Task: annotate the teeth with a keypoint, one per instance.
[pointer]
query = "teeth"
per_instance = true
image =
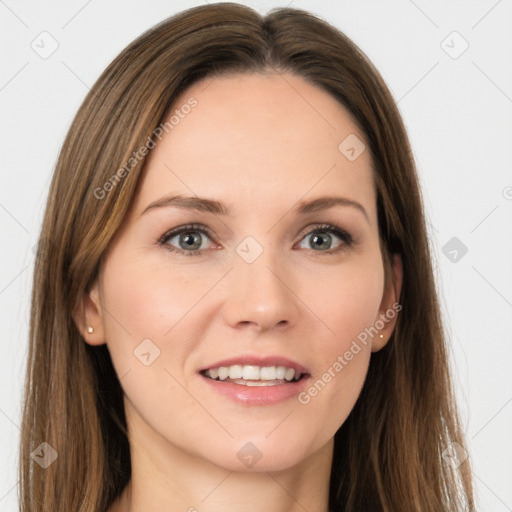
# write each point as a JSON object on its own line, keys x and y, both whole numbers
{"x": 252, "y": 374}
{"x": 290, "y": 373}
{"x": 223, "y": 372}
{"x": 235, "y": 371}
{"x": 280, "y": 372}
{"x": 268, "y": 373}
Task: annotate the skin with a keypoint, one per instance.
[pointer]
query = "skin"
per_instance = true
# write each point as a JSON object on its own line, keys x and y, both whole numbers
{"x": 259, "y": 143}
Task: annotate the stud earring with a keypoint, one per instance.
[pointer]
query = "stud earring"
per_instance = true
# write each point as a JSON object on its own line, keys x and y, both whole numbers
{"x": 90, "y": 329}
{"x": 381, "y": 336}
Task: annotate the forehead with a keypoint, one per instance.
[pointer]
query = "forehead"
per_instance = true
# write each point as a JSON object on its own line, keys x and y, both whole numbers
{"x": 253, "y": 136}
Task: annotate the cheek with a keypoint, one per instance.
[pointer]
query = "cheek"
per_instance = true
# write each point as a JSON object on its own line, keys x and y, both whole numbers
{"x": 147, "y": 301}
{"x": 350, "y": 312}
{"x": 348, "y": 300}
{"x": 144, "y": 312}
{"x": 153, "y": 319}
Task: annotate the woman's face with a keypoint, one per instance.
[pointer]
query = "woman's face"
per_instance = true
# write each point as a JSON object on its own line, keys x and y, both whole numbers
{"x": 258, "y": 282}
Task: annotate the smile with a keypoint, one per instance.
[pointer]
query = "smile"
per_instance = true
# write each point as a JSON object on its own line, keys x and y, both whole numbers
{"x": 253, "y": 375}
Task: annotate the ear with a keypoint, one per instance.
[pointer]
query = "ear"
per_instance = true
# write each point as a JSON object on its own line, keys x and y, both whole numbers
{"x": 389, "y": 307}
{"x": 88, "y": 313}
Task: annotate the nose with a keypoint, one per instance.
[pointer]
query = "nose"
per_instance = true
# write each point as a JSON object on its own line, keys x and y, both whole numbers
{"x": 260, "y": 295}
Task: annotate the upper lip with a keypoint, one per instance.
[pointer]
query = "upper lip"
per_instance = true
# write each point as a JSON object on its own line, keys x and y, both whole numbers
{"x": 261, "y": 361}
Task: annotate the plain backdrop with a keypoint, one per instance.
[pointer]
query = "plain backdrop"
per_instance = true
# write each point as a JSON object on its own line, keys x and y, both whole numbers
{"x": 449, "y": 67}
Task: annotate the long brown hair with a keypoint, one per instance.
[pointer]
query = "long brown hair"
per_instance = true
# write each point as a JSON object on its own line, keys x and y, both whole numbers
{"x": 388, "y": 454}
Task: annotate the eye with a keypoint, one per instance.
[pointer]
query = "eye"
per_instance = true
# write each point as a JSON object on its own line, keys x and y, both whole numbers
{"x": 323, "y": 238}
{"x": 188, "y": 238}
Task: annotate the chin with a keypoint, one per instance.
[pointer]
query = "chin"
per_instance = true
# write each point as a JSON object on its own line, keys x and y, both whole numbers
{"x": 257, "y": 454}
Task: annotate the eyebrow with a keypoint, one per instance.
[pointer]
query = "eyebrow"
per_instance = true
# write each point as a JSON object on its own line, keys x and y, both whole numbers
{"x": 203, "y": 204}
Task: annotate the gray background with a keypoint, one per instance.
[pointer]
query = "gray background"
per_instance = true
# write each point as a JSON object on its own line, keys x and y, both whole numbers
{"x": 457, "y": 107}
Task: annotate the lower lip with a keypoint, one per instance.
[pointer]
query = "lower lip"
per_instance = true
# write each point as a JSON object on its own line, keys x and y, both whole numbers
{"x": 257, "y": 395}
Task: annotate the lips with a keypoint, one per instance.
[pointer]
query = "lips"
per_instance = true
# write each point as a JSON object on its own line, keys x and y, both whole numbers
{"x": 257, "y": 380}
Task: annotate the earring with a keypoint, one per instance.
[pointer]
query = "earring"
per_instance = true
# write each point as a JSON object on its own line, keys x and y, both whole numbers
{"x": 90, "y": 329}
{"x": 381, "y": 336}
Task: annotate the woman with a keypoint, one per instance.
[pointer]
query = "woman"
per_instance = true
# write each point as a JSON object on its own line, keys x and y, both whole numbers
{"x": 297, "y": 361}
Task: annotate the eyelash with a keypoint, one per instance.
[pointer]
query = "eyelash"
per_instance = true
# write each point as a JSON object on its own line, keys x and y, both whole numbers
{"x": 346, "y": 238}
